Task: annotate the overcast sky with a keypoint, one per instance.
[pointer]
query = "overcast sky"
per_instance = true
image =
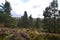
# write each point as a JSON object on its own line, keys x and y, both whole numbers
{"x": 33, "y": 7}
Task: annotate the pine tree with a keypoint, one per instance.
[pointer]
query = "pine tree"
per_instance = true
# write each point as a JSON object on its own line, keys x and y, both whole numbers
{"x": 37, "y": 23}
{"x": 50, "y": 15}
{"x": 31, "y": 21}
{"x": 52, "y": 10}
{"x": 7, "y": 8}
{"x": 24, "y": 20}
{"x": 6, "y": 15}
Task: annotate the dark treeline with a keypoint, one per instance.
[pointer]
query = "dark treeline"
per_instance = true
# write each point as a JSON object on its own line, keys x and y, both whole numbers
{"x": 50, "y": 23}
{"x": 28, "y": 22}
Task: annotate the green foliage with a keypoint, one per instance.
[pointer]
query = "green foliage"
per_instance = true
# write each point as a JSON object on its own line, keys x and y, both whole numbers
{"x": 9, "y": 37}
{"x": 19, "y": 22}
{"x": 31, "y": 22}
{"x": 1, "y": 17}
{"x": 7, "y": 8}
{"x": 12, "y": 23}
{"x": 24, "y": 22}
{"x": 51, "y": 17}
{"x": 5, "y": 17}
{"x": 37, "y": 23}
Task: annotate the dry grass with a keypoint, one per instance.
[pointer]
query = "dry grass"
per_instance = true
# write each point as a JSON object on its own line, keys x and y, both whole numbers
{"x": 33, "y": 33}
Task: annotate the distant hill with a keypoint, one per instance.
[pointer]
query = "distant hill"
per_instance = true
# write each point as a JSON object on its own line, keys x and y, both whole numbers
{"x": 33, "y": 18}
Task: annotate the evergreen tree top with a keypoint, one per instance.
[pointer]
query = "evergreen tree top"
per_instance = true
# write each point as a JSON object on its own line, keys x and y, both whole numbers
{"x": 54, "y": 3}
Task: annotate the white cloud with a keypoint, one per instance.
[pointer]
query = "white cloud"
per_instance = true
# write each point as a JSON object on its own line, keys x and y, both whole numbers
{"x": 34, "y": 7}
